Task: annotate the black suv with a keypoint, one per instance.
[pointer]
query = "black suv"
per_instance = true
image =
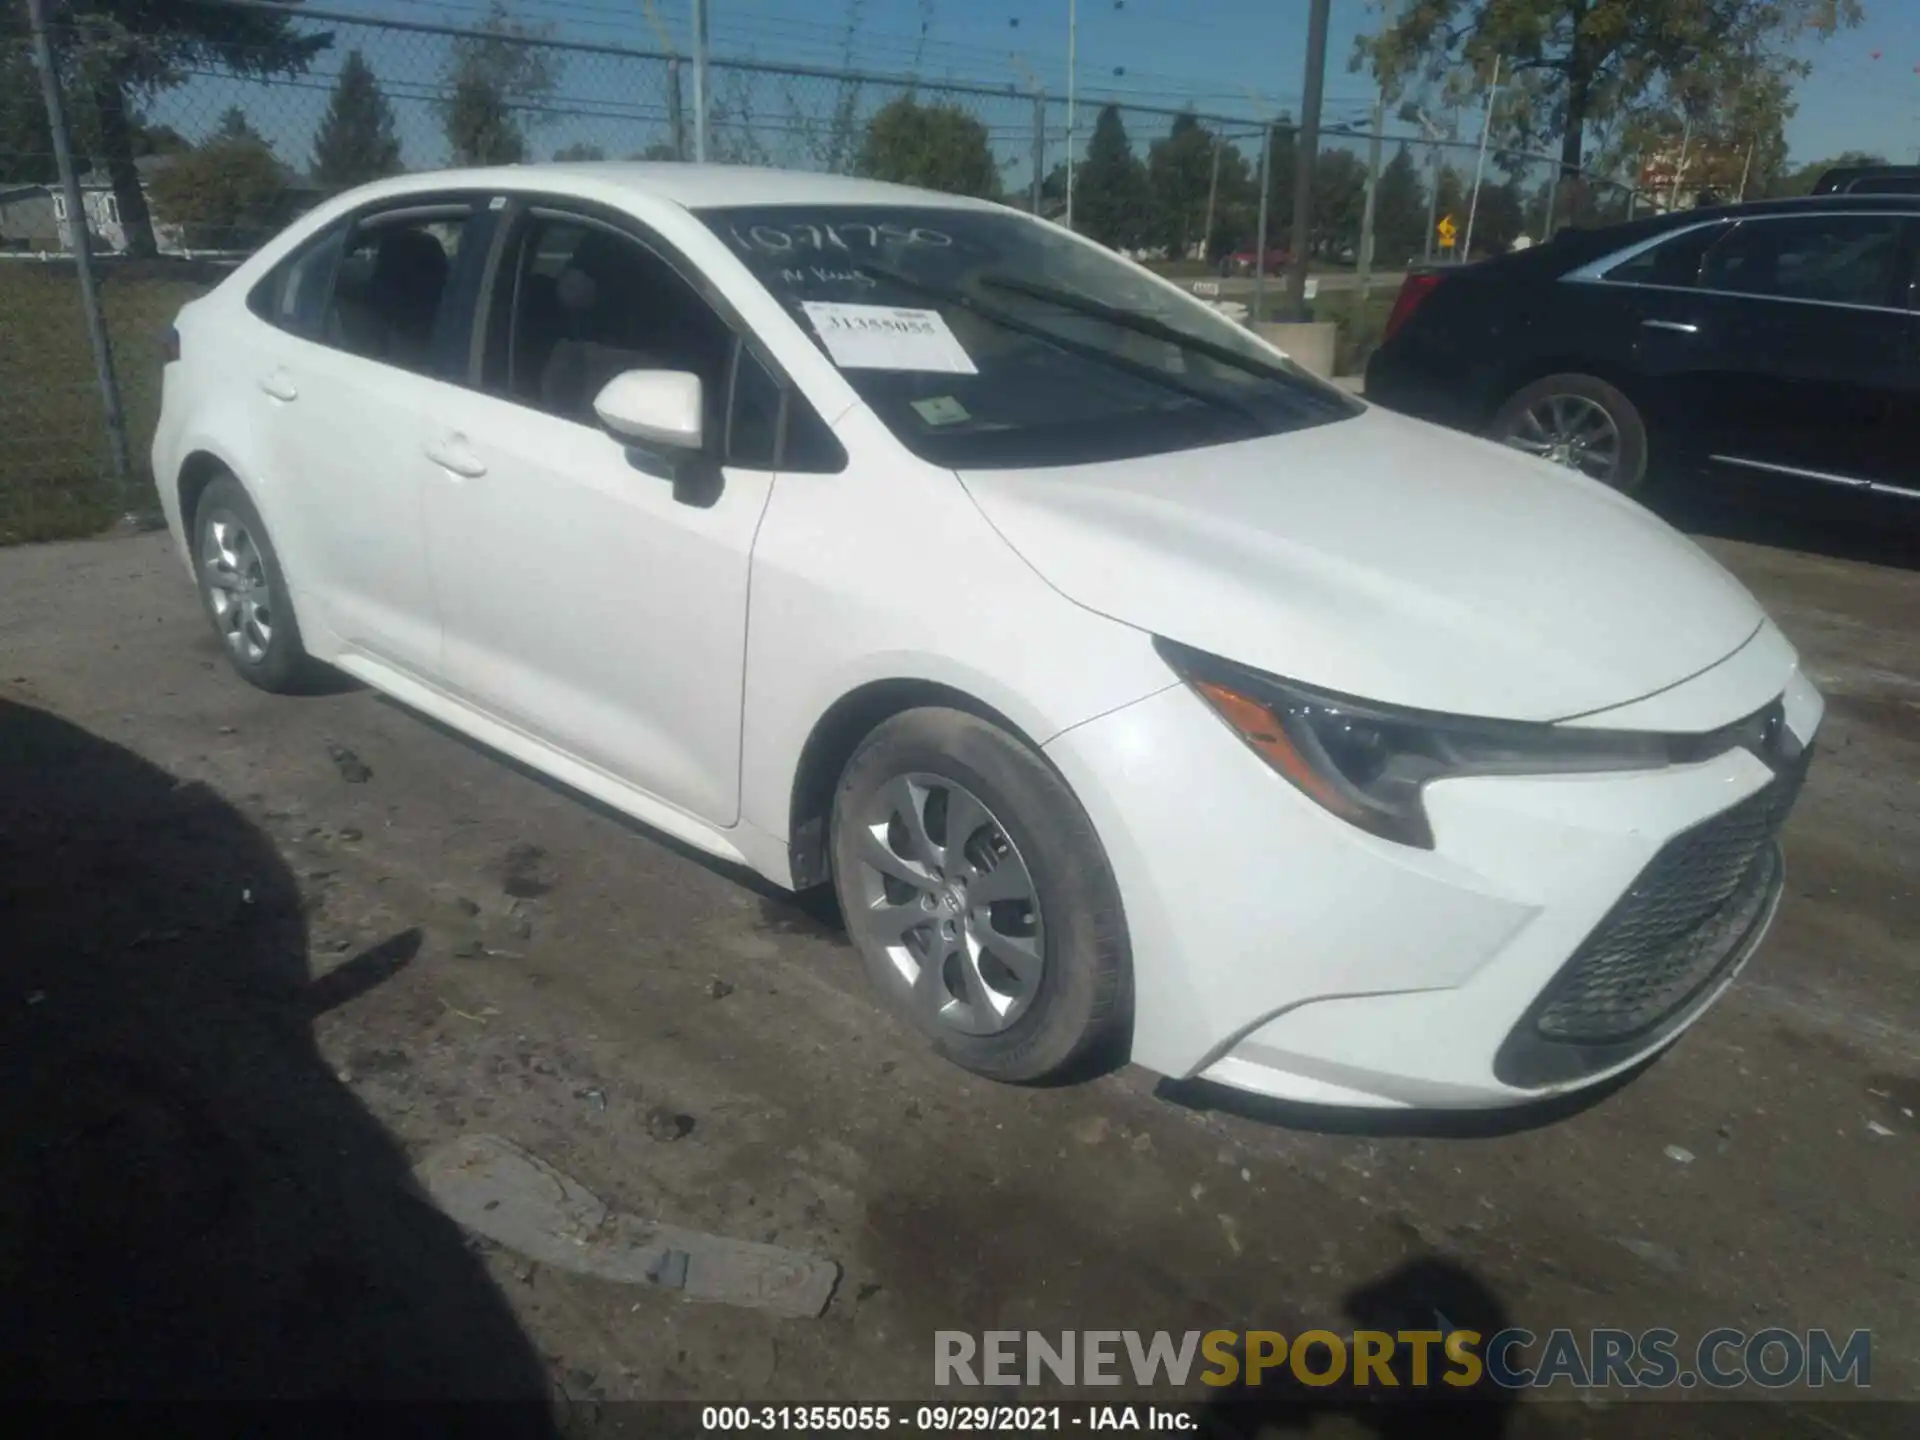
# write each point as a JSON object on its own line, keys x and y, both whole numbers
{"x": 1869, "y": 180}
{"x": 1781, "y": 337}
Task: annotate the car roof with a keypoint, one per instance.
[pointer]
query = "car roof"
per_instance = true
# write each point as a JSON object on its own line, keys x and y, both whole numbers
{"x": 693, "y": 187}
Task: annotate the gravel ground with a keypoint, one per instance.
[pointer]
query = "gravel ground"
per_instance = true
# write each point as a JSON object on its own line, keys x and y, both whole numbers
{"x": 246, "y": 984}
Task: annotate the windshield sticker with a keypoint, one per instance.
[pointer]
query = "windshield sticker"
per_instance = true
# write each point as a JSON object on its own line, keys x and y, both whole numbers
{"x": 885, "y": 337}
{"x": 796, "y": 241}
{"x": 942, "y": 410}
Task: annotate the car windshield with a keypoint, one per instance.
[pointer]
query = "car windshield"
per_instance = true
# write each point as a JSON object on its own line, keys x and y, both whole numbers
{"x": 986, "y": 339}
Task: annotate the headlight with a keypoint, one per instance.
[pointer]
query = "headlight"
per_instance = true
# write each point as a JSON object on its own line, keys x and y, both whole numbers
{"x": 1368, "y": 763}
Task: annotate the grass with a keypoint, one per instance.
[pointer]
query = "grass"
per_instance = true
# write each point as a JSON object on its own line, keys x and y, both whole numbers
{"x": 56, "y": 472}
{"x": 1360, "y": 324}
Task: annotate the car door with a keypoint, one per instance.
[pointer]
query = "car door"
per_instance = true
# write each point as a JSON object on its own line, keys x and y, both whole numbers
{"x": 352, "y": 373}
{"x": 595, "y": 593}
{"x": 1786, "y": 349}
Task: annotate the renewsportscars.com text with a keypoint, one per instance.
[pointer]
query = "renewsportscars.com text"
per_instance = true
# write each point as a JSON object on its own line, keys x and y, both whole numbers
{"x": 1512, "y": 1359}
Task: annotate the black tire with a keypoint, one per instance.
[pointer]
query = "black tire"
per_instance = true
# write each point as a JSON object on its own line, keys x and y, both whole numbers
{"x": 1080, "y": 1008}
{"x": 280, "y": 665}
{"x": 1629, "y": 471}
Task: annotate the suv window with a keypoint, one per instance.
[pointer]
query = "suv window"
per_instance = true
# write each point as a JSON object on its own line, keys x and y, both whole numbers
{"x": 578, "y": 303}
{"x": 1674, "y": 262}
{"x": 1839, "y": 259}
{"x": 391, "y": 284}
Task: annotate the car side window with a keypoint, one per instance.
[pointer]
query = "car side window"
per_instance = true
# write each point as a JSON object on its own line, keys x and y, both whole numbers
{"x": 1674, "y": 263}
{"x": 1839, "y": 259}
{"x": 293, "y": 296}
{"x": 578, "y": 304}
{"x": 391, "y": 285}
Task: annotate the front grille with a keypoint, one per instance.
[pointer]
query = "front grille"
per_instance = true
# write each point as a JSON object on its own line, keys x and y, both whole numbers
{"x": 1685, "y": 918}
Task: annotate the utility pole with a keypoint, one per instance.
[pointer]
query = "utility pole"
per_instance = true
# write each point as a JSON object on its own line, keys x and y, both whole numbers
{"x": 1073, "y": 38}
{"x": 1039, "y": 145}
{"x": 1365, "y": 266}
{"x": 1480, "y": 164}
{"x": 1746, "y": 168}
{"x": 77, "y": 241}
{"x": 1213, "y": 194}
{"x": 1306, "y": 151}
{"x": 1260, "y": 242}
{"x": 700, "y": 81}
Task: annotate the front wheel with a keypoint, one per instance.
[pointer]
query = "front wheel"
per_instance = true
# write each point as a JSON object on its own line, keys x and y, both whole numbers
{"x": 1578, "y": 421}
{"x": 979, "y": 897}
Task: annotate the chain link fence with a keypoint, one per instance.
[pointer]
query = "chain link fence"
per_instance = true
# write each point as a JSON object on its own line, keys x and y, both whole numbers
{"x": 198, "y": 135}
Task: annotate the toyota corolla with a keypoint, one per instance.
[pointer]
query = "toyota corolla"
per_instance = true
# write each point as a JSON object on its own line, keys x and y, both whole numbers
{"x": 1136, "y": 692}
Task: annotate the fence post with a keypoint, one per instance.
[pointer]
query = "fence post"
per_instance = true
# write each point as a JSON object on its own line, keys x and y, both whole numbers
{"x": 676, "y": 112}
{"x": 700, "y": 81}
{"x": 78, "y": 240}
{"x": 1039, "y": 145}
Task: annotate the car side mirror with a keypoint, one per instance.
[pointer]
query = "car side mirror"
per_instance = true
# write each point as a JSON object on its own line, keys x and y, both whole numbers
{"x": 662, "y": 408}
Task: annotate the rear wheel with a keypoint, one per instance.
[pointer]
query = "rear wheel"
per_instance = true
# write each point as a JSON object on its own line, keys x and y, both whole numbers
{"x": 244, "y": 592}
{"x": 975, "y": 890}
{"x": 1581, "y": 422}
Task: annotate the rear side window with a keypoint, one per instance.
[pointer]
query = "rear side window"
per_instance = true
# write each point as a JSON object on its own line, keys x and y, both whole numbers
{"x": 1839, "y": 259}
{"x": 294, "y": 294}
{"x": 1674, "y": 263}
{"x": 392, "y": 285}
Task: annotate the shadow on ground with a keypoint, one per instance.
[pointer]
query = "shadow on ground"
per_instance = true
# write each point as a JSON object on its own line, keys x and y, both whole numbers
{"x": 191, "y": 1204}
{"x": 1810, "y": 518}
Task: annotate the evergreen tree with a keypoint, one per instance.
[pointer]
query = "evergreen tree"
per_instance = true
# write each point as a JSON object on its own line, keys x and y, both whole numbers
{"x": 1110, "y": 186}
{"x": 356, "y": 142}
{"x": 1399, "y": 211}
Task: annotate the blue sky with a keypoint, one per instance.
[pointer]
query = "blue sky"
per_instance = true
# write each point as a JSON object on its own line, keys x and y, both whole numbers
{"x": 1227, "y": 57}
{"x": 1215, "y": 52}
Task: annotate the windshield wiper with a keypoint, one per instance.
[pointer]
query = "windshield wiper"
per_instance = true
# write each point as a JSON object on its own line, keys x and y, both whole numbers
{"x": 999, "y": 317}
{"x": 1154, "y": 329}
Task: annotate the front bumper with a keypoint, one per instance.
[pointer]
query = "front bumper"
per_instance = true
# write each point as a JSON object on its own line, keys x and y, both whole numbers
{"x": 1279, "y": 950}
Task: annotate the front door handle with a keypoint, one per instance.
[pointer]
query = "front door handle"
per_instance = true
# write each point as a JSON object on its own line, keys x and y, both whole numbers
{"x": 452, "y": 454}
{"x": 279, "y": 385}
{"x": 1679, "y": 327}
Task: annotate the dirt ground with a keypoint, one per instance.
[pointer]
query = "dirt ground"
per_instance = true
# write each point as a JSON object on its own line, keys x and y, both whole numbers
{"x": 241, "y": 994}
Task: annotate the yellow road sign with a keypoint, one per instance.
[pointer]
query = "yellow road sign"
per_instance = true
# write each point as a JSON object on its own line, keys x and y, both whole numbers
{"x": 1446, "y": 232}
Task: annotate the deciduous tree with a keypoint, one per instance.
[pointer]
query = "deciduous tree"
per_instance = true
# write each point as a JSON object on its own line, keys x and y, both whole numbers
{"x": 940, "y": 147}
{"x": 492, "y": 78}
{"x": 1572, "y": 63}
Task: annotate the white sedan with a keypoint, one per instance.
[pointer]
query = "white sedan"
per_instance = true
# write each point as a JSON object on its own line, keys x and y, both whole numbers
{"x": 1138, "y": 693}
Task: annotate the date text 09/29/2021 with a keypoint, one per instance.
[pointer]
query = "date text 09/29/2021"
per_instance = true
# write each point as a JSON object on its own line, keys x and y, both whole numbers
{"x": 947, "y": 1419}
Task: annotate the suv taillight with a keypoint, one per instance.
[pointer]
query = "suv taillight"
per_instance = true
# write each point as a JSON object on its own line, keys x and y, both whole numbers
{"x": 1415, "y": 288}
{"x": 170, "y": 345}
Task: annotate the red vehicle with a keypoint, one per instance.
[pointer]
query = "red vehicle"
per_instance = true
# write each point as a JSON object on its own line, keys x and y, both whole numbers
{"x": 1242, "y": 262}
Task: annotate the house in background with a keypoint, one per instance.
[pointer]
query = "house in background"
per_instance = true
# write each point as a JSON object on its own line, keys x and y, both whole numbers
{"x": 34, "y": 217}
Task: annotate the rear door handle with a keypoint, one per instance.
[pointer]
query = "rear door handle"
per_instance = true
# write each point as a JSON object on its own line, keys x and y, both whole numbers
{"x": 280, "y": 385}
{"x": 452, "y": 454}
{"x": 1679, "y": 327}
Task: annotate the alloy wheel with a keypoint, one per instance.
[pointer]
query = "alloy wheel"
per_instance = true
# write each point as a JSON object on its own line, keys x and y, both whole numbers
{"x": 1569, "y": 430}
{"x": 237, "y": 588}
{"x": 942, "y": 890}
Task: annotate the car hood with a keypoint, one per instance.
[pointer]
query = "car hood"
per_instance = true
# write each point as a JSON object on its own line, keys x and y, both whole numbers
{"x": 1387, "y": 559}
